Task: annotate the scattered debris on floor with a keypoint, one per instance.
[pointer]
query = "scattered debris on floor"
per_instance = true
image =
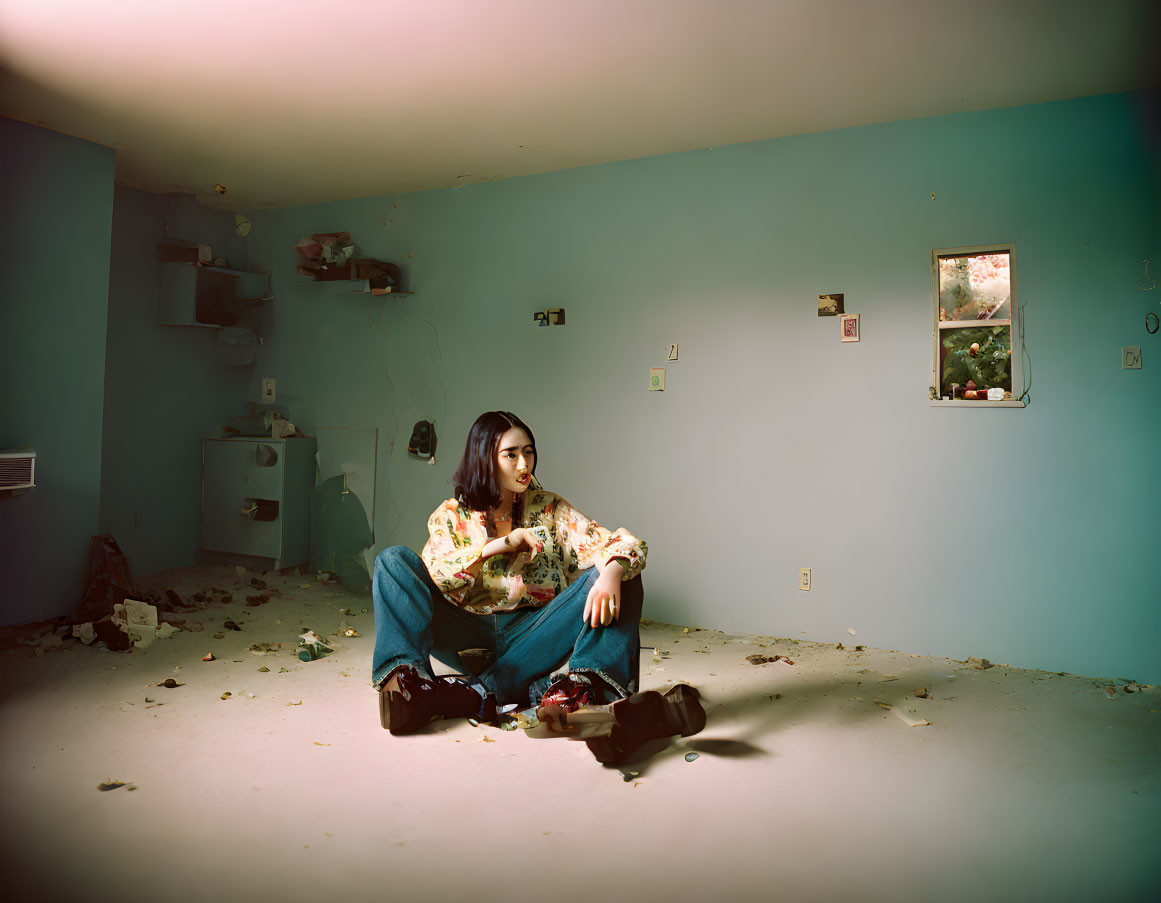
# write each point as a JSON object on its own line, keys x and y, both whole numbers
{"x": 922, "y": 693}
{"x": 209, "y": 657}
{"x": 230, "y": 625}
{"x": 110, "y": 785}
{"x": 227, "y": 695}
{"x": 311, "y": 646}
{"x": 265, "y": 648}
{"x": 757, "y": 659}
{"x": 690, "y": 756}
{"x": 169, "y": 683}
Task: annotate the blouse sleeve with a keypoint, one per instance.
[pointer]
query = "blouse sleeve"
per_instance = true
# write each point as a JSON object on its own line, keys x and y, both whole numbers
{"x": 452, "y": 552}
{"x": 591, "y": 543}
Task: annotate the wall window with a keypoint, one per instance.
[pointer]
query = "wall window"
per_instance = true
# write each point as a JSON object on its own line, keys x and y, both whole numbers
{"x": 976, "y": 332}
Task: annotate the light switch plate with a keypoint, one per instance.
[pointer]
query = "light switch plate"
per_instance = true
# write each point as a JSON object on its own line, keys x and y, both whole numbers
{"x": 656, "y": 379}
{"x": 267, "y": 390}
{"x": 804, "y": 579}
{"x": 1130, "y": 357}
{"x": 671, "y": 351}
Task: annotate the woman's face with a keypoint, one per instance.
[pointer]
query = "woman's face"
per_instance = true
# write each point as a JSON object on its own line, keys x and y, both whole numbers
{"x": 515, "y": 459}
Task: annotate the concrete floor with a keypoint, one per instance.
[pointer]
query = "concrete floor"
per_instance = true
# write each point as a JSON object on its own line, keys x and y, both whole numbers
{"x": 1025, "y": 785}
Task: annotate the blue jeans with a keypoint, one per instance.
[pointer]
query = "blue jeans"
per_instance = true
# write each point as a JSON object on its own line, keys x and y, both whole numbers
{"x": 413, "y": 621}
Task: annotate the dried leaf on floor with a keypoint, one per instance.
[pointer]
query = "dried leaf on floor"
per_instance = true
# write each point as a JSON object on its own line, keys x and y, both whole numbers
{"x": 884, "y": 705}
{"x": 922, "y": 693}
{"x": 295, "y": 703}
{"x": 911, "y": 722}
{"x": 110, "y": 785}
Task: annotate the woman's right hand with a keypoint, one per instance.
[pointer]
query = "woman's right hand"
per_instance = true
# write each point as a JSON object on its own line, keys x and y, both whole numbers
{"x": 524, "y": 540}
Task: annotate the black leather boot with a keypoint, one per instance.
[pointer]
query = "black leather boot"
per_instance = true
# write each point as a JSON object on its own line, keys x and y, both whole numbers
{"x": 408, "y": 701}
{"x": 648, "y": 716}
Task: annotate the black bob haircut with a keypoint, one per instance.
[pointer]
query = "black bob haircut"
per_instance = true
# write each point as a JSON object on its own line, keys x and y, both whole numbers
{"x": 475, "y": 479}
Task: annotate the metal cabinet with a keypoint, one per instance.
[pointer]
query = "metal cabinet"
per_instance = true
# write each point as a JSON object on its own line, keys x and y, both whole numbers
{"x": 256, "y": 500}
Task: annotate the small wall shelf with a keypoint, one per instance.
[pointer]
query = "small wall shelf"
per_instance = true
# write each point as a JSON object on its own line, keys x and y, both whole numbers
{"x": 193, "y": 294}
{"x": 350, "y": 287}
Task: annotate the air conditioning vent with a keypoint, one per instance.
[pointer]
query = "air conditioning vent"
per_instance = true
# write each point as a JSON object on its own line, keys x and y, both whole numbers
{"x": 17, "y": 469}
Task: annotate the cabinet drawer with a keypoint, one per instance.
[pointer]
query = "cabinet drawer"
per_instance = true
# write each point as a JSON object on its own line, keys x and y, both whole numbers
{"x": 233, "y": 475}
{"x": 233, "y": 468}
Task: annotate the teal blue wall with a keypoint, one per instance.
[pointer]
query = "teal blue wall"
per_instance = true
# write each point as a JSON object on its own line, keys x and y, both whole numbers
{"x": 164, "y": 389}
{"x": 55, "y": 228}
{"x": 1022, "y": 535}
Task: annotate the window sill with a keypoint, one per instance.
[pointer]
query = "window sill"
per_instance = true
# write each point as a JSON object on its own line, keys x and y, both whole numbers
{"x": 972, "y": 403}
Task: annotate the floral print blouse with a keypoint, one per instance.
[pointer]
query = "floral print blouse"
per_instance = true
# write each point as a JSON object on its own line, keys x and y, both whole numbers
{"x": 572, "y": 543}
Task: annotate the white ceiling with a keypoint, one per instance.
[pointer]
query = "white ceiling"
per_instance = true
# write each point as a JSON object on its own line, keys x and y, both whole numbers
{"x": 291, "y": 102}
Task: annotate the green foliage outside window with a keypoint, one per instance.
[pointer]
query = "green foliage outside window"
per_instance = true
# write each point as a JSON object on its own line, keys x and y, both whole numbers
{"x": 989, "y": 367}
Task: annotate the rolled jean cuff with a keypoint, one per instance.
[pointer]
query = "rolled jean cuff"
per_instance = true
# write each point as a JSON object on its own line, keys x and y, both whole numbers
{"x": 603, "y": 675}
{"x": 380, "y": 674}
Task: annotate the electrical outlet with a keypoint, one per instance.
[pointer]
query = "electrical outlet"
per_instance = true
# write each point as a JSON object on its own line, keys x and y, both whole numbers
{"x": 671, "y": 351}
{"x": 540, "y": 317}
{"x": 656, "y": 379}
{"x": 1130, "y": 357}
{"x": 267, "y": 390}
{"x": 804, "y": 579}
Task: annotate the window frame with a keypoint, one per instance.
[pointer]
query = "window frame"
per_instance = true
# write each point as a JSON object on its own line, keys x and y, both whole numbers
{"x": 1016, "y": 363}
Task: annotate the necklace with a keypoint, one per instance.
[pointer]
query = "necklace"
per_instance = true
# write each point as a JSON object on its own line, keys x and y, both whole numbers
{"x": 504, "y": 518}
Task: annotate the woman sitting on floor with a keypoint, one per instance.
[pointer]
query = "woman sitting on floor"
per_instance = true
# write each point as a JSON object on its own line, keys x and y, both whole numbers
{"x": 512, "y": 568}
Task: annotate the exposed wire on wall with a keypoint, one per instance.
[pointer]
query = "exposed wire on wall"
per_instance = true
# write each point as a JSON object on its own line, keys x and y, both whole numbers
{"x": 378, "y": 306}
{"x": 1024, "y": 355}
{"x": 377, "y": 323}
{"x": 439, "y": 360}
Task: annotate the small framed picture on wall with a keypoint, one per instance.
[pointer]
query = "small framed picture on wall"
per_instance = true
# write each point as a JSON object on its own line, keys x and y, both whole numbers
{"x": 849, "y": 324}
{"x": 830, "y": 305}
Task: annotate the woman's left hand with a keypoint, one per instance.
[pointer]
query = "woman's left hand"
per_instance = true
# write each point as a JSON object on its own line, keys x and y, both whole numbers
{"x": 604, "y": 602}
